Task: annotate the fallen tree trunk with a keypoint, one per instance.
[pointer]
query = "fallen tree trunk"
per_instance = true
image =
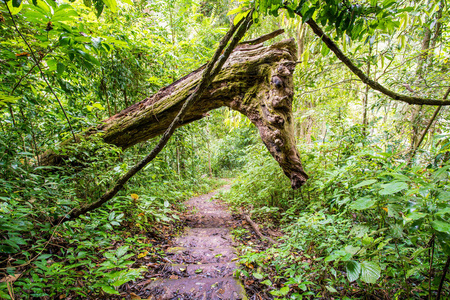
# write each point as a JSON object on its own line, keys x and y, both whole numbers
{"x": 256, "y": 81}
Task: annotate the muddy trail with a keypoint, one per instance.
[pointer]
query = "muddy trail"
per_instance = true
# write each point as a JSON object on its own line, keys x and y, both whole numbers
{"x": 200, "y": 262}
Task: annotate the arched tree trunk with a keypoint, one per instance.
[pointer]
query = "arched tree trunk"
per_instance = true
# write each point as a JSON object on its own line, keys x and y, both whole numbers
{"x": 256, "y": 81}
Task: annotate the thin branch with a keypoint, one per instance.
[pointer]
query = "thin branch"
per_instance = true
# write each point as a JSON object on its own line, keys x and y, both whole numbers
{"x": 364, "y": 78}
{"x": 40, "y": 69}
{"x": 425, "y": 131}
{"x": 212, "y": 69}
{"x": 386, "y": 71}
{"x": 263, "y": 38}
{"x": 258, "y": 232}
{"x": 444, "y": 274}
{"x": 32, "y": 68}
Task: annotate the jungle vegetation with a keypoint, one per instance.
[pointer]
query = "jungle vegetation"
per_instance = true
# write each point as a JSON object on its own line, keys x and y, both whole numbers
{"x": 370, "y": 220}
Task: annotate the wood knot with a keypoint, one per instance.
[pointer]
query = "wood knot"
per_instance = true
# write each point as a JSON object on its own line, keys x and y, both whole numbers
{"x": 284, "y": 70}
{"x": 277, "y": 82}
{"x": 279, "y": 142}
{"x": 275, "y": 120}
{"x": 278, "y": 101}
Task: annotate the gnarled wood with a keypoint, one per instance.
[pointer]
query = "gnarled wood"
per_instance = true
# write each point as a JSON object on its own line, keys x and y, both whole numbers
{"x": 256, "y": 81}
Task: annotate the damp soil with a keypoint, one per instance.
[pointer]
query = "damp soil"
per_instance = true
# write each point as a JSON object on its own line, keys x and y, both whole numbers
{"x": 199, "y": 263}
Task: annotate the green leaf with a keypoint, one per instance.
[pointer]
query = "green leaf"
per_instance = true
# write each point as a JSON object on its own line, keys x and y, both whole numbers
{"x": 444, "y": 240}
{"x": 112, "y": 4}
{"x": 444, "y": 196}
{"x": 111, "y": 216}
{"x": 239, "y": 17}
{"x": 353, "y": 270}
{"x": 234, "y": 11}
{"x": 325, "y": 50}
{"x": 14, "y": 10}
{"x": 60, "y": 67}
{"x": 127, "y": 2}
{"x": 367, "y": 240}
{"x": 44, "y": 6}
{"x": 125, "y": 276}
{"x": 351, "y": 249}
{"x": 109, "y": 290}
{"x": 414, "y": 216}
{"x": 4, "y": 99}
{"x": 263, "y": 5}
{"x": 4, "y": 295}
{"x": 441, "y": 173}
{"x": 359, "y": 230}
{"x": 364, "y": 183}
{"x": 305, "y": 58}
{"x": 370, "y": 271}
{"x": 393, "y": 187}
{"x": 300, "y": 6}
{"x": 441, "y": 226}
{"x": 258, "y": 276}
{"x": 363, "y": 203}
{"x": 16, "y": 3}
{"x": 99, "y": 5}
{"x": 64, "y": 13}
{"x": 88, "y": 57}
{"x": 284, "y": 290}
{"x": 51, "y": 63}
{"x": 308, "y": 14}
{"x": 121, "y": 251}
{"x": 267, "y": 282}
{"x": 387, "y": 3}
{"x": 7, "y": 249}
{"x": 443, "y": 211}
{"x": 12, "y": 244}
{"x": 413, "y": 270}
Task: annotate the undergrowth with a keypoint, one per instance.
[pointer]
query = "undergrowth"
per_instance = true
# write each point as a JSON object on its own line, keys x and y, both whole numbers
{"x": 366, "y": 225}
{"x": 93, "y": 256}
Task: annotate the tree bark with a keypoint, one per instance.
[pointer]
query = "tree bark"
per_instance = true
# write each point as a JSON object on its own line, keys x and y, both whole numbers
{"x": 256, "y": 81}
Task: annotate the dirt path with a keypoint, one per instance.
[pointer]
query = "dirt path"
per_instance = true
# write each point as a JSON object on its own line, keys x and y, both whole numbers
{"x": 202, "y": 258}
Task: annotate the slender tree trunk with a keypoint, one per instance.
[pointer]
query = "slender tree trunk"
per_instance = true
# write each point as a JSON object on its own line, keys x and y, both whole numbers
{"x": 209, "y": 150}
{"x": 416, "y": 139}
{"x": 301, "y": 34}
{"x": 125, "y": 97}
{"x": 425, "y": 131}
{"x": 366, "y": 95}
{"x": 177, "y": 151}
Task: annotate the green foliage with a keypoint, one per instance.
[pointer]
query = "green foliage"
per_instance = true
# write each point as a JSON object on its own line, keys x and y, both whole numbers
{"x": 99, "y": 57}
{"x": 363, "y": 220}
{"x": 368, "y": 219}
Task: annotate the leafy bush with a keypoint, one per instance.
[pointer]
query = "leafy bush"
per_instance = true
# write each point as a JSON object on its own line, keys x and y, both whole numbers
{"x": 364, "y": 222}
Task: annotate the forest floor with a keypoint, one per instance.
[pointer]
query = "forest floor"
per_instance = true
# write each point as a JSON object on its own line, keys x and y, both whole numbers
{"x": 200, "y": 262}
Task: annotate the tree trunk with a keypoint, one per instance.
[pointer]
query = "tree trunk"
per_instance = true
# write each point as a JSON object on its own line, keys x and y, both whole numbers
{"x": 256, "y": 81}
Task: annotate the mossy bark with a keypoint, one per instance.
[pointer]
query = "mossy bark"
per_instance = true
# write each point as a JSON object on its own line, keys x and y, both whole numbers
{"x": 256, "y": 81}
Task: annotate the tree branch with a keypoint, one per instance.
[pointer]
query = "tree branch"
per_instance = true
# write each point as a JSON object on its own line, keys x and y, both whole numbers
{"x": 364, "y": 78}
{"x": 263, "y": 38}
